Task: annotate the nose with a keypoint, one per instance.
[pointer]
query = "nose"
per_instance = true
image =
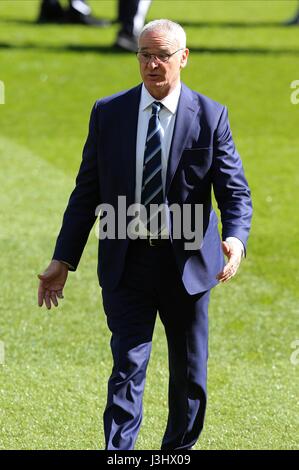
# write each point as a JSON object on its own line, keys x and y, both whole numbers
{"x": 153, "y": 63}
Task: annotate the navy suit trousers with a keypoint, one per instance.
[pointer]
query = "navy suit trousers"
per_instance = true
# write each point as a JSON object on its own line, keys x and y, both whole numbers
{"x": 152, "y": 283}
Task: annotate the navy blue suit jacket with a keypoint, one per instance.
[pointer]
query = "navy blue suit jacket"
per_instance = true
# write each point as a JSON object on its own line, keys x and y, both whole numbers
{"x": 202, "y": 156}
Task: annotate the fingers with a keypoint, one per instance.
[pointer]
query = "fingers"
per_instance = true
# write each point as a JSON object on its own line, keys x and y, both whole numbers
{"x": 49, "y": 297}
{"x": 44, "y": 276}
{"x": 40, "y": 295}
{"x": 234, "y": 255}
{"x": 51, "y": 284}
{"x": 229, "y": 270}
{"x": 225, "y": 276}
{"x": 54, "y": 298}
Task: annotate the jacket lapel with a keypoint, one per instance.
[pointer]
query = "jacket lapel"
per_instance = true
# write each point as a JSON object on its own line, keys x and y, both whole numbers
{"x": 186, "y": 112}
{"x": 129, "y": 122}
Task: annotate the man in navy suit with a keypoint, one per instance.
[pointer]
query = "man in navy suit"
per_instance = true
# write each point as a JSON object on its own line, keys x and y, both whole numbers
{"x": 157, "y": 143}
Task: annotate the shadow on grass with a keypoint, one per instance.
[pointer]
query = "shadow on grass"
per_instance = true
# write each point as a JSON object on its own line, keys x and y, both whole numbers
{"x": 28, "y": 22}
{"x": 184, "y": 23}
{"x": 111, "y": 49}
{"x": 231, "y": 24}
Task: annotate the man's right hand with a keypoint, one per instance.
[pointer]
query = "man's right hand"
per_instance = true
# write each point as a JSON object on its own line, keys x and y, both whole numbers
{"x": 51, "y": 284}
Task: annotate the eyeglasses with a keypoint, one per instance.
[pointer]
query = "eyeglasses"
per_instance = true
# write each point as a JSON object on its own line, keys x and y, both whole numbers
{"x": 145, "y": 57}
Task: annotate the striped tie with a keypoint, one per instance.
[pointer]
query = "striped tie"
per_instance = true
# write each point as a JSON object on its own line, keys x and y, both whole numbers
{"x": 152, "y": 187}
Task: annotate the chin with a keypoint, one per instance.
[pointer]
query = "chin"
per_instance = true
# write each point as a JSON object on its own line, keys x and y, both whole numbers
{"x": 157, "y": 85}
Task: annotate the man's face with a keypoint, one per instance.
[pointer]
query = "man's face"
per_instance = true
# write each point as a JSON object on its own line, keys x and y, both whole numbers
{"x": 160, "y": 78}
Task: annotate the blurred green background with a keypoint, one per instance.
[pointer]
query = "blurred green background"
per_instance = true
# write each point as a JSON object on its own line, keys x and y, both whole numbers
{"x": 53, "y": 382}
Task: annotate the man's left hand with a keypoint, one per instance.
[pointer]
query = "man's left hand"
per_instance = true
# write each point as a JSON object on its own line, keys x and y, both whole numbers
{"x": 234, "y": 253}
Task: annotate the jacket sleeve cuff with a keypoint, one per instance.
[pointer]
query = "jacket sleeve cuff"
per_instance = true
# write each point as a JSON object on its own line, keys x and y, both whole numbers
{"x": 71, "y": 268}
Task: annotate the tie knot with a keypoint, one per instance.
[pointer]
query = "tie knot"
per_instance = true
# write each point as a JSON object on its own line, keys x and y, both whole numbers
{"x": 156, "y": 107}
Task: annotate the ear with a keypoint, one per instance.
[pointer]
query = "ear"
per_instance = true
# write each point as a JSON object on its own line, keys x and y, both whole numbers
{"x": 184, "y": 58}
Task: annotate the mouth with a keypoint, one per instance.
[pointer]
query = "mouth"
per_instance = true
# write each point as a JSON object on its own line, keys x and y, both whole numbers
{"x": 153, "y": 76}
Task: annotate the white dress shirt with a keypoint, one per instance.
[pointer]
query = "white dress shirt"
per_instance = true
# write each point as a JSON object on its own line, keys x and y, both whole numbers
{"x": 167, "y": 120}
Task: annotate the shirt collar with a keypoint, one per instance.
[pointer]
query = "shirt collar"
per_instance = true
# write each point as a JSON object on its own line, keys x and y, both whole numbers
{"x": 170, "y": 102}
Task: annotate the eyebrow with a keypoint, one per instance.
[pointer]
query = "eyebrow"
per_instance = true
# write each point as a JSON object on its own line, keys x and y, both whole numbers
{"x": 160, "y": 50}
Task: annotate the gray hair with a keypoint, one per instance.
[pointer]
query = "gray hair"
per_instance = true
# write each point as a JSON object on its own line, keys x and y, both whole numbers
{"x": 167, "y": 27}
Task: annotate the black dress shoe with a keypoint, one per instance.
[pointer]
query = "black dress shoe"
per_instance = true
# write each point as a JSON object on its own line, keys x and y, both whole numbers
{"x": 76, "y": 17}
{"x": 126, "y": 42}
{"x": 293, "y": 21}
